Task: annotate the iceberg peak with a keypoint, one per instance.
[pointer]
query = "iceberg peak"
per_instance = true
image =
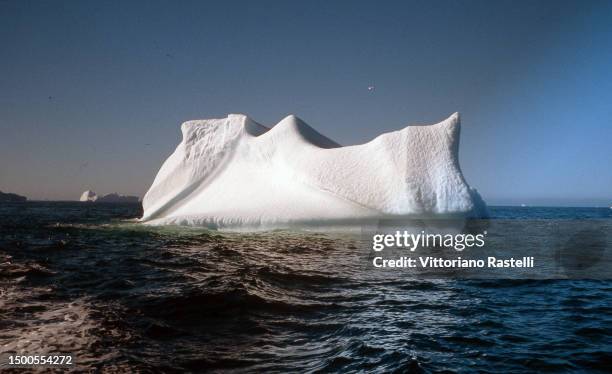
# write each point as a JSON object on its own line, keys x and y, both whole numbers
{"x": 292, "y": 127}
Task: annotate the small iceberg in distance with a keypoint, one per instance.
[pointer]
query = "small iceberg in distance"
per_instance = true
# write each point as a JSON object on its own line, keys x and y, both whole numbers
{"x": 235, "y": 173}
{"x": 90, "y": 196}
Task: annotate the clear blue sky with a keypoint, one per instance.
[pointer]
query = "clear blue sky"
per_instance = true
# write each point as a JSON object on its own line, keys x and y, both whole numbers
{"x": 92, "y": 93}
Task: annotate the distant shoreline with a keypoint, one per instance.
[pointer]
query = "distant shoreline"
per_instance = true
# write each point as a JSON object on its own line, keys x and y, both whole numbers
{"x": 491, "y": 205}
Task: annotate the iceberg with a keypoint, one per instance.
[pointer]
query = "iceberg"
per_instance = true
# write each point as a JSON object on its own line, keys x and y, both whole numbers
{"x": 90, "y": 196}
{"x": 233, "y": 173}
{"x": 117, "y": 198}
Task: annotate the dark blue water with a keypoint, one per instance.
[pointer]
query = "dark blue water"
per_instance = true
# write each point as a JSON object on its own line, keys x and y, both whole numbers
{"x": 88, "y": 280}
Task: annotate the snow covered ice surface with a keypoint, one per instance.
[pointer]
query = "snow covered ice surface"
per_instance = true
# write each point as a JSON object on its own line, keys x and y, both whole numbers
{"x": 234, "y": 173}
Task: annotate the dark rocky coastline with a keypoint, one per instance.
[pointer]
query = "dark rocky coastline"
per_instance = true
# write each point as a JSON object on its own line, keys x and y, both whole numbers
{"x": 7, "y": 197}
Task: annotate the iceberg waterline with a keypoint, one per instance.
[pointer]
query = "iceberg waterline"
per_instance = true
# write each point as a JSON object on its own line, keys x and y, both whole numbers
{"x": 235, "y": 173}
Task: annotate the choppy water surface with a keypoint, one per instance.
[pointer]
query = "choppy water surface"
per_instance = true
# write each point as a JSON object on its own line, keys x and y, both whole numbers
{"x": 88, "y": 280}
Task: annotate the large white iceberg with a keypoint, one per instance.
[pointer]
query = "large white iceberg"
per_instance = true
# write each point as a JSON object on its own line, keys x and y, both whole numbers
{"x": 235, "y": 173}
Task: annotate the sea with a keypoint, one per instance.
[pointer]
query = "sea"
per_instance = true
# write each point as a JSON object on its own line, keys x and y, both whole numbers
{"x": 88, "y": 280}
